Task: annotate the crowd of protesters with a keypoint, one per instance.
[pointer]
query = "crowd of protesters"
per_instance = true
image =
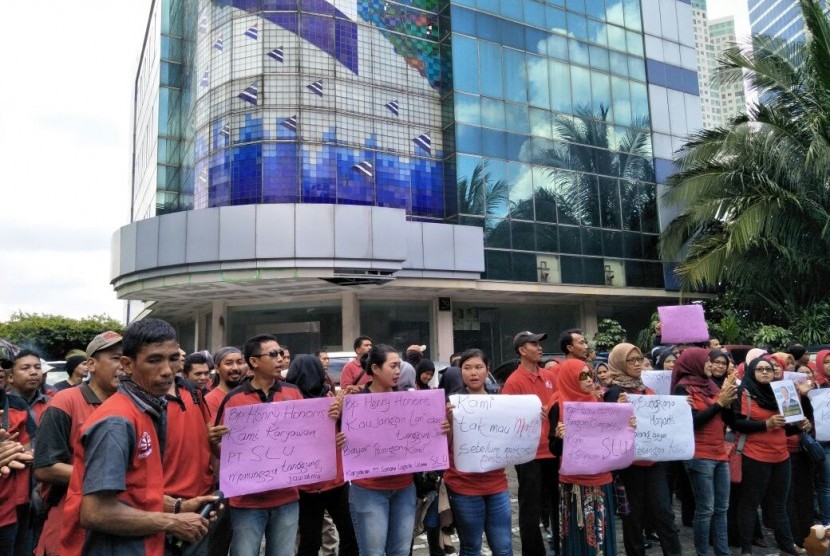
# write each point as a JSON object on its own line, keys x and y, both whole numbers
{"x": 122, "y": 456}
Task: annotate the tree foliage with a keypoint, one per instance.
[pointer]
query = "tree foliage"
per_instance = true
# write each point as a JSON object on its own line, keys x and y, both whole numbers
{"x": 755, "y": 194}
{"x": 609, "y": 333}
{"x": 52, "y": 336}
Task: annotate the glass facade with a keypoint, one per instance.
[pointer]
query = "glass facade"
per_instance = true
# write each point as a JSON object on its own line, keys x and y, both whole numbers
{"x": 528, "y": 118}
{"x": 778, "y": 18}
{"x": 552, "y": 139}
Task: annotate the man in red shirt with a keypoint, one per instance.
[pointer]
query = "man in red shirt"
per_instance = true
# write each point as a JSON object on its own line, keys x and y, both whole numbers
{"x": 24, "y": 385}
{"x": 115, "y": 500}
{"x": 196, "y": 369}
{"x": 230, "y": 366}
{"x": 273, "y": 514}
{"x": 538, "y": 479}
{"x": 353, "y": 373}
{"x": 59, "y": 428}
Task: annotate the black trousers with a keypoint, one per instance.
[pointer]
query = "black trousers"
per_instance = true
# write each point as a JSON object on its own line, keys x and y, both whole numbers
{"x": 648, "y": 494}
{"x": 538, "y": 488}
{"x": 800, "y": 506}
{"x": 312, "y": 506}
{"x": 768, "y": 483}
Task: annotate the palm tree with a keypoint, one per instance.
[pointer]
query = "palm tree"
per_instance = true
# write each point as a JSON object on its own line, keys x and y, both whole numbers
{"x": 755, "y": 195}
{"x": 481, "y": 195}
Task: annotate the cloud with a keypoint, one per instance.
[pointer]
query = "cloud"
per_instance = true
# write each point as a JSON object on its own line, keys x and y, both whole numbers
{"x": 65, "y": 159}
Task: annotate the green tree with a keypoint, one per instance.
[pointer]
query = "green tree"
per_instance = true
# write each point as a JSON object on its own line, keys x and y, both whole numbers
{"x": 52, "y": 335}
{"x": 609, "y": 333}
{"x": 754, "y": 195}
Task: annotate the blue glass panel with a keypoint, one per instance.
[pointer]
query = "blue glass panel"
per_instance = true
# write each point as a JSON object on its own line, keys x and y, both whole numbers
{"x": 513, "y": 10}
{"x": 463, "y": 21}
{"x": 556, "y": 20}
{"x": 578, "y": 52}
{"x": 488, "y": 5}
{"x": 493, "y": 143}
{"x": 536, "y": 40}
{"x": 319, "y": 183}
{"x": 489, "y": 27}
{"x": 513, "y": 34}
{"x": 281, "y": 172}
{"x": 392, "y": 182}
{"x": 491, "y": 68}
{"x": 534, "y": 13}
{"x": 468, "y": 139}
{"x": 497, "y": 265}
{"x": 578, "y": 26}
{"x": 492, "y": 113}
{"x": 517, "y": 118}
{"x": 465, "y": 64}
{"x": 467, "y": 109}
{"x": 246, "y": 175}
{"x": 515, "y": 76}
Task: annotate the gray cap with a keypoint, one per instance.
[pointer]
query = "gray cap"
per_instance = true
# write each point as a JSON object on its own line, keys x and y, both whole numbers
{"x": 103, "y": 340}
{"x": 522, "y": 338}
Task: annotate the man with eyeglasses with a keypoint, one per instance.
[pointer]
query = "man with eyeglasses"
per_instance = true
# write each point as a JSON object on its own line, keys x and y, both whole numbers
{"x": 273, "y": 514}
{"x": 538, "y": 479}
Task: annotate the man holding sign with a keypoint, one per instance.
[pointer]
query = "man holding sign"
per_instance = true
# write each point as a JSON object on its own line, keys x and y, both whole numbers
{"x": 273, "y": 514}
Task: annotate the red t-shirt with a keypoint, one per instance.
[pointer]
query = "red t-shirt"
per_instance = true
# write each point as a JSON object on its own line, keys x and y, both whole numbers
{"x": 350, "y": 372}
{"x": 187, "y": 469}
{"x": 770, "y": 445}
{"x": 708, "y": 438}
{"x": 475, "y": 484}
{"x": 23, "y": 478}
{"x": 543, "y": 385}
{"x": 60, "y": 426}
{"x": 247, "y": 394}
{"x": 142, "y": 487}
{"x": 213, "y": 400}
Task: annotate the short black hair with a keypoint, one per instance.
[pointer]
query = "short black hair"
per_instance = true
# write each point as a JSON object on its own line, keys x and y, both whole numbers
{"x": 359, "y": 340}
{"x": 253, "y": 345}
{"x": 567, "y": 339}
{"x": 24, "y": 353}
{"x": 197, "y": 358}
{"x": 317, "y": 352}
{"x": 143, "y": 332}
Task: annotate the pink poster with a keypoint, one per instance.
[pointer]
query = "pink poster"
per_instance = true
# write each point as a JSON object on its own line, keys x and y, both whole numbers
{"x": 277, "y": 445}
{"x": 598, "y": 438}
{"x": 683, "y": 324}
{"x": 394, "y": 433}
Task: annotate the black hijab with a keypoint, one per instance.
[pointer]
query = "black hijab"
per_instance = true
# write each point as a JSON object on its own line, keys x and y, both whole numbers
{"x": 451, "y": 381}
{"x": 306, "y": 373}
{"x": 714, "y": 354}
{"x": 760, "y": 393}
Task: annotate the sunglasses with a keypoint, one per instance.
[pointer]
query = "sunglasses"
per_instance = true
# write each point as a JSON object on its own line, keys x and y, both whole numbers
{"x": 272, "y": 353}
{"x": 763, "y": 369}
{"x": 585, "y": 375}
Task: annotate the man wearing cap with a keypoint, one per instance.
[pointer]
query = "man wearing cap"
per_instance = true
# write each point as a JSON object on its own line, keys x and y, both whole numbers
{"x": 76, "y": 371}
{"x": 115, "y": 500}
{"x": 538, "y": 479}
{"x": 59, "y": 428}
{"x": 230, "y": 367}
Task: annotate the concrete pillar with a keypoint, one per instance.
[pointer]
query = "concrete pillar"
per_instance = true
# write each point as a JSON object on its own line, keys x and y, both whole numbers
{"x": 589, "y": 318}
{"x": 441, "y": 332}
{"x": 350, "y": 310}
{"x": 219, "y": 318}
{"x": 200, "y": 338}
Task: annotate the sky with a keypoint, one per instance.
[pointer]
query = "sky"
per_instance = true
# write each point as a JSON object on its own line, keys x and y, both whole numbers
{"x": 65, "y": 138}
{"x": 65, "y": 106}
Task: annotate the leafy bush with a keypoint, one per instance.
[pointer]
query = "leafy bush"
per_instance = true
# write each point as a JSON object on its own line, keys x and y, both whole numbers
{"x": 609, "y": 334}
{"x": 53, "y": 335}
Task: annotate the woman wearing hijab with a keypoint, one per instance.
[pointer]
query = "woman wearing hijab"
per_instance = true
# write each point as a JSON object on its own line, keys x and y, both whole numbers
{"x": 719, "y": 362}
{"x": 708, "y": 471}
{"x": 306, "y": 373}
{"x": 645, "y": 482}
{"x": 765, "y": 465}
{"x": 603, "y": 375}
{"x": 586, "y": 507}
{"x": 424, "y": 371}
{"x": 666, "y": 359}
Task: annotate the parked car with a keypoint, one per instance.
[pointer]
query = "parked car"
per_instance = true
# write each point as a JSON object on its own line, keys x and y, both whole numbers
{"x": 338, "y": 360}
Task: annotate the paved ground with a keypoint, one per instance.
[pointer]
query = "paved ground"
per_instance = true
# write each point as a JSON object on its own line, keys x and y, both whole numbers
{"x": 686, "y": 539}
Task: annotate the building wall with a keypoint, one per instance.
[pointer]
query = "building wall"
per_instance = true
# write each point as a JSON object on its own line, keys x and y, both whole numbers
{"x": 552, "y": 135}
{"x": 780, "y": 18}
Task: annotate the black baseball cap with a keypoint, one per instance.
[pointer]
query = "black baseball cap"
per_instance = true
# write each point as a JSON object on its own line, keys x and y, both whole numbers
{"x": 522, "y": 338}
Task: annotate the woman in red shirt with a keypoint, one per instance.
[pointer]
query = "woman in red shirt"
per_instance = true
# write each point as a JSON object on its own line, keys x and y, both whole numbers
{"x": 765, "y": 465}
{"x": 586, "y": 502}
{"x": 708, "y": 471}
{"x": 480, "y": 502}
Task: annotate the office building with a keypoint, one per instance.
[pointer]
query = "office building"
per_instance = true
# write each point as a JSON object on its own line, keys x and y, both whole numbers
{"x": 446, "y": 172}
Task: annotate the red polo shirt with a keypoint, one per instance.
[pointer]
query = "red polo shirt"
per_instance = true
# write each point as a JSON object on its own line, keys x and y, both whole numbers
{"x": 247, "y": 394}
{"x": 23, "y": 478}
{"x": 543, "y": 385}
{"x": 120, "y": 447}
{"x": 213, "y": 400}
{"x": 350, "y": 372}
{"x": 57, "y": 434}
{"x": 187, "y": 469}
